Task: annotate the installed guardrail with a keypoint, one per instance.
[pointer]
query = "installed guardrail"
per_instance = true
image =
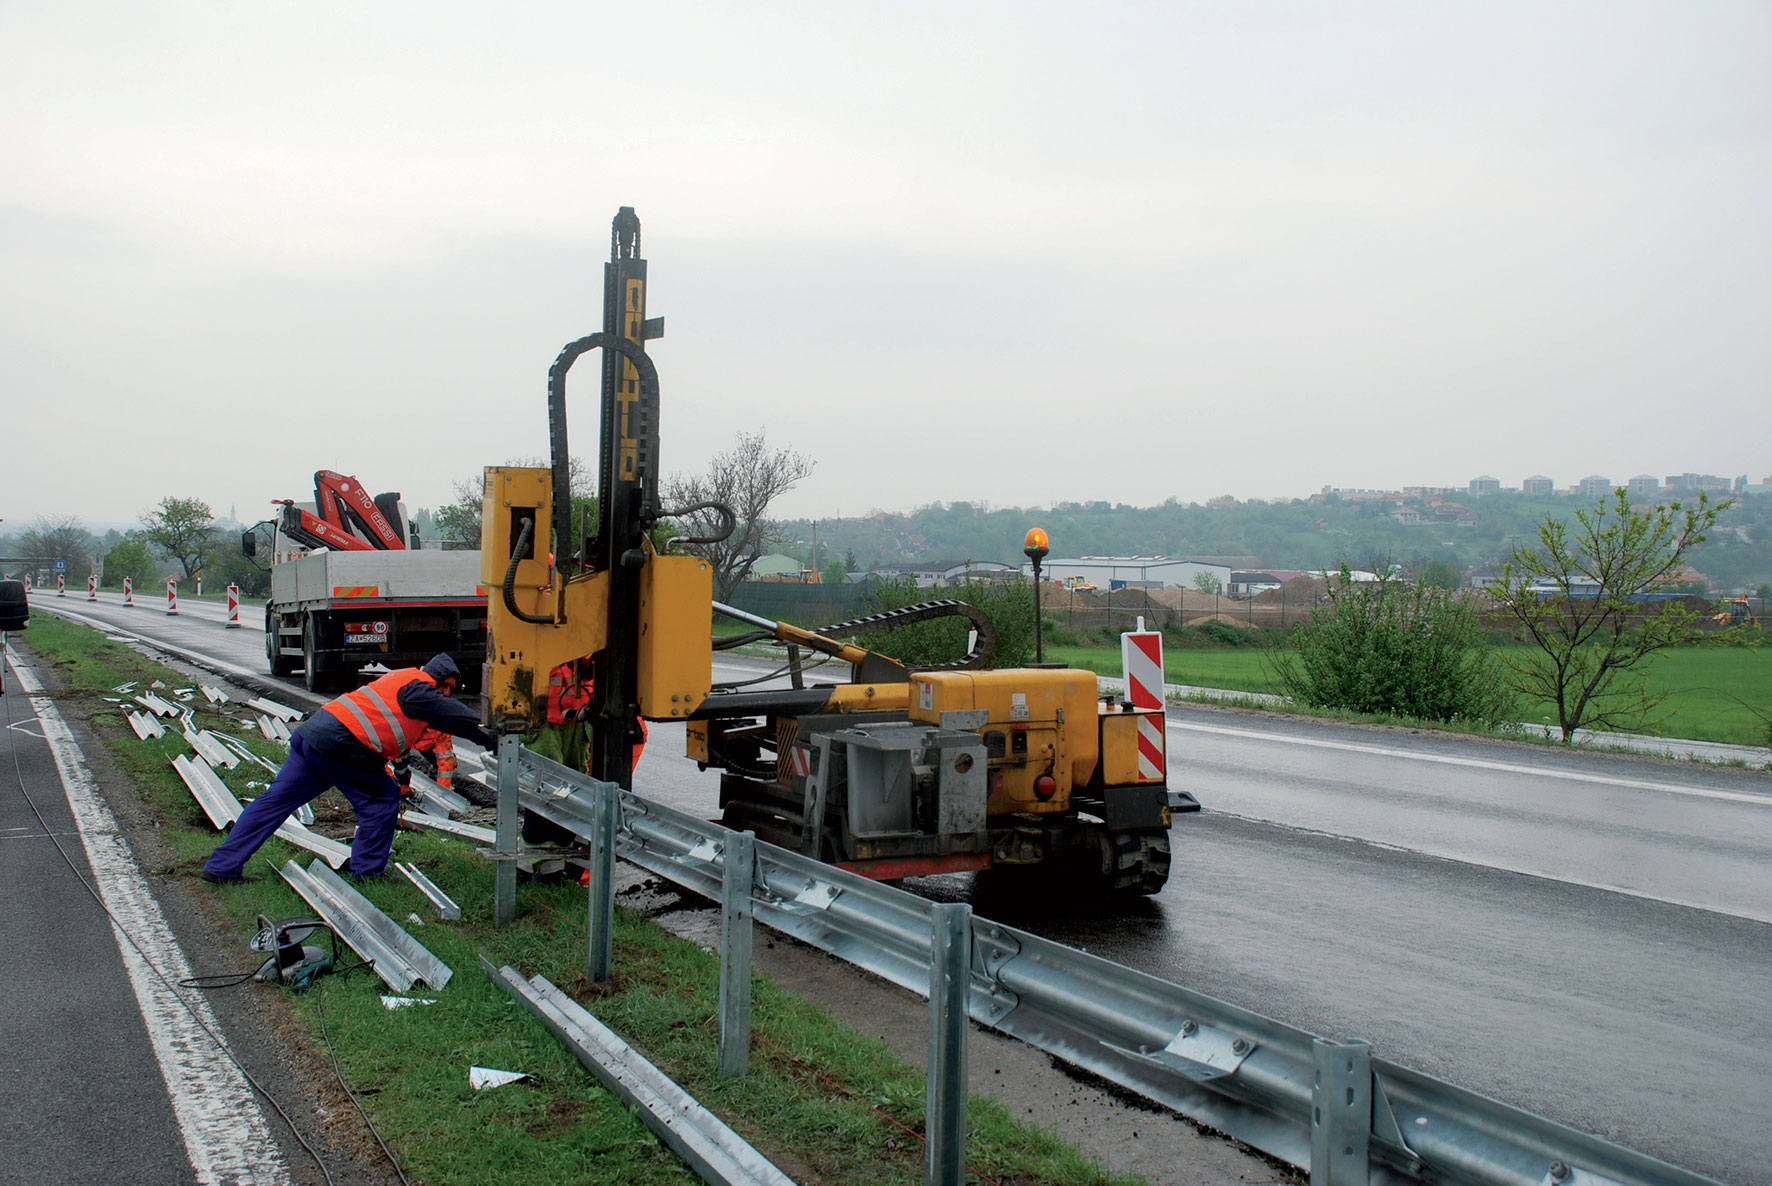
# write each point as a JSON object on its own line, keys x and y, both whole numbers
{"x": 1332, "y": 1108}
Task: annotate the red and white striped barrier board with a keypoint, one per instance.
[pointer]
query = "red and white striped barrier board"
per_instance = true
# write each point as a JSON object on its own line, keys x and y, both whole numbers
{"x": 61, "y": 584}
{"x": 1141, "y": 659}
{"x": 92, "y": 586}
{"x": 128, "y": 593}
{"x": 172, "y": 598}
{"x": 233, "y": 607}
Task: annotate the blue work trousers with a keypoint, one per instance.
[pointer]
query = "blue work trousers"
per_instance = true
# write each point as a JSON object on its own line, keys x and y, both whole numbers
{"x": 372, "y": 792}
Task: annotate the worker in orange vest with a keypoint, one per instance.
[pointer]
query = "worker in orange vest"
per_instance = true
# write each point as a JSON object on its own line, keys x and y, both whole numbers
{"x": 348, "y": 744}
{"x": 441, "y": 748}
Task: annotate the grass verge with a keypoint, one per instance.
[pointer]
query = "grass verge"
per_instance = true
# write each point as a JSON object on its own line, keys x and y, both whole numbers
{"x": 826, "y": 1103}
{"x": 1711, "y": 693}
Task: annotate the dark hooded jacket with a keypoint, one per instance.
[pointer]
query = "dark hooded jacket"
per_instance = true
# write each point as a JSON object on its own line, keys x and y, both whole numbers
{"x": 422, "y": 702}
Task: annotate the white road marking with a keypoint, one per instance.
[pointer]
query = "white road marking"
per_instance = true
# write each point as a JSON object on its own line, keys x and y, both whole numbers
{"x": 1758, "y": 800}
{"x": 224, "y": 1131}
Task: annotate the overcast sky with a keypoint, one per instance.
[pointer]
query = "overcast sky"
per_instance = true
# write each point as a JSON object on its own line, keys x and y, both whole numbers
{"x": 1014, "y": 253}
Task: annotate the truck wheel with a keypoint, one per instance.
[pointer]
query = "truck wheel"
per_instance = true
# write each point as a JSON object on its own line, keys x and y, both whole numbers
{"x": 312, "y": 680}
{"x": 1141, "y": 862}
{"x": 279, "y": 663}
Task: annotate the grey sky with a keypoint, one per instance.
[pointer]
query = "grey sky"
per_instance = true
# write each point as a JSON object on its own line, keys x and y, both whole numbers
{"x": 1014, "y": 253}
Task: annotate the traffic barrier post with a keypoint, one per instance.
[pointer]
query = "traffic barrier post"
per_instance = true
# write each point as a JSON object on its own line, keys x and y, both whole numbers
{"x": 61, "y": 584}
{"x": 92, "y": 586}
{"x": 1141, "y": 664}
{"x": 233, "y": 607}
{"x": 735, "y": 953}
{"x": 128, "y": 593}
{"x": 172, "y": 598}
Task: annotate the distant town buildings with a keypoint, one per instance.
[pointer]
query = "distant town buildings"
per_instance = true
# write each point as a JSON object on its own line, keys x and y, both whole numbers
{"x": 1593, "y": 487}
{"x": 1485, "y": 485}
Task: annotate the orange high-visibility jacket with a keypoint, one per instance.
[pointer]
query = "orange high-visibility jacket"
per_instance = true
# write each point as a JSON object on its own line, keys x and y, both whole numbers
{"x": 372, "y": 713}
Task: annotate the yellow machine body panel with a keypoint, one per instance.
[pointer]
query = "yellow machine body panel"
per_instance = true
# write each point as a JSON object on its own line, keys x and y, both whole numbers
{"x": 675, "y": 652}
{"x": 511, "y": 495}
{"x": 1041, "y": 721}
{"x": 676, "y": 635}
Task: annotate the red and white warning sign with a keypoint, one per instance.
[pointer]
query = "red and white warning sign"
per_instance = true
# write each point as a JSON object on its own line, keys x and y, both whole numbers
{"x": 1141, "y": 659}
{"x": 802, "y": 757}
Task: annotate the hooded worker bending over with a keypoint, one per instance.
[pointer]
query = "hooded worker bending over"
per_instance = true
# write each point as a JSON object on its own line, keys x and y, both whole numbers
{"x": 348, "y": 744}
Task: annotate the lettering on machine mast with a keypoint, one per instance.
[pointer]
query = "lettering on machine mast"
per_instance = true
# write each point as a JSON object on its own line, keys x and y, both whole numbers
{"x": 627, "y": 393}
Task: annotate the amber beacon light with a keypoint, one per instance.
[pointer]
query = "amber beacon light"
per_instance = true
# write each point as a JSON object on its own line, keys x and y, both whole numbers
{"x": 1036, "y": 547}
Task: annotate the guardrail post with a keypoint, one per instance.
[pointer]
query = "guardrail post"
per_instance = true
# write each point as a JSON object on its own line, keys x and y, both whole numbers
{"x": 735, "y": 954}
{"x": 1341, "y": 1113}
{"x": 601, "y": 924}
{"x": 504, "y": 867}
{"x": 950, "y": 977}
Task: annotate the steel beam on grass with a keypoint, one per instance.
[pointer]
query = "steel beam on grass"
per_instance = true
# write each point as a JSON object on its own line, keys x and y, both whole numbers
{"x": 441, "y": 902}
{"x": 397, "y": 957}
{"x": 699, "y": 1137}
{"x": 217, "y": 802}
{"x": 437, "y": 823}
{"x": 281, "y": 711}
{"x": 434, "y": 792}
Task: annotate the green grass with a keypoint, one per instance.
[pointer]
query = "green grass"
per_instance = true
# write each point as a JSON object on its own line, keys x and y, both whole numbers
{"x": 829, "y": 1104}
{"x": 1713, "y": 693}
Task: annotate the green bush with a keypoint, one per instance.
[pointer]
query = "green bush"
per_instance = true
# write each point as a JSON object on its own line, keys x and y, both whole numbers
{"x": 1396, "y": 648}
{"x": 1010, "y": 608}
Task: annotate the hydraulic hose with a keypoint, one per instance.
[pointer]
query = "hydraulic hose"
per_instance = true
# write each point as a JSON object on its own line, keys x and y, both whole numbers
{"x": 510, "y": 585}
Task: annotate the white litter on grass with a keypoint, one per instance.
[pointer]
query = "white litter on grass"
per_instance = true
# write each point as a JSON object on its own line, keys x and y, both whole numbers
{"x": 184, "y": 693}
{"x": 484, "y": 1077}
{"x": 415, "y": 920}
{"x": 403, "y": 1002}
{"x": 156, "y": 684}
{"x": 125, "y": 688}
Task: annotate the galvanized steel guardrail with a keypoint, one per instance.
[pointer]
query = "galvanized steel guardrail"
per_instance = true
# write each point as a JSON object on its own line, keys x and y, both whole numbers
{"x": 1332, "y": 1108}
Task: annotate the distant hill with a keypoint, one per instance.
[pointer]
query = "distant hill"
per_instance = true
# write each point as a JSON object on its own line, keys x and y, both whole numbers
{"x": 1470, "y": 531}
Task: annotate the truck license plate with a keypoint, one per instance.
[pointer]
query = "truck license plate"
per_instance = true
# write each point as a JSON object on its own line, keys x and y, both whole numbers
{"x": 366, "y": 637}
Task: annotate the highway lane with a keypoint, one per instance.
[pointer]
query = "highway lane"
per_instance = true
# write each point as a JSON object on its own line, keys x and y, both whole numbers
{"x": 1686, "y": 834}
{"x": 1507, "y": 917}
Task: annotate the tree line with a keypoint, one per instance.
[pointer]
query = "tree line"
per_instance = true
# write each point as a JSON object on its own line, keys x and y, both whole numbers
{"x": 177, "y": 536}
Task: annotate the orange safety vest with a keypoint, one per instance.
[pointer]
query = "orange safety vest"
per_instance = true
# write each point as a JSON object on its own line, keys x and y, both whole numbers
{"x": 441, "y": 746}
{"x": 372, "y": 713}
{"x": 568, "y": 696}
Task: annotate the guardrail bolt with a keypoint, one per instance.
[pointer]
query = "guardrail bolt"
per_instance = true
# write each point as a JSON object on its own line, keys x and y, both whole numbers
{"x": 1188, "y": 1028}
{"x": 1238, "y": 1046}
{"x": 1559, "y": 1172}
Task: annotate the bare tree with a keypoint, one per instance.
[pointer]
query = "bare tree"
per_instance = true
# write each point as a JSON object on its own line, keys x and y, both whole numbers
{"x": 65, "y": 539}
{"x": 459, "y": 520}
{"x": 746, "y": 478}
{"x": 183, "y": 528}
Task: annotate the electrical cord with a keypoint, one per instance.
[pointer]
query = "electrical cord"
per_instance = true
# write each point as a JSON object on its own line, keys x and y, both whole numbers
{"x": 338, "y": 1072}
{"x": 227, "y": 1052}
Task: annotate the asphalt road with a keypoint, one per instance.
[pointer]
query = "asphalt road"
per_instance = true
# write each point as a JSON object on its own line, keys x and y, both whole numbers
{"x": 1587, "y": 936}
{"x": 70, "y": 1010}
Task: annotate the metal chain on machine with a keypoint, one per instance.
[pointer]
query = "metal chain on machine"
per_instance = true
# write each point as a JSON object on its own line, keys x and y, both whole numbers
{"x": 983, "y": 647}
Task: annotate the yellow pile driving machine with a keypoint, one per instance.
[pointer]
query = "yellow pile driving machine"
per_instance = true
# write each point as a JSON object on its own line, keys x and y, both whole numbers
{"x": 897, "y": 772}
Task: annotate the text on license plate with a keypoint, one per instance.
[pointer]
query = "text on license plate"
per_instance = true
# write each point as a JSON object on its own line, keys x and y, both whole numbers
{"x": 366, "y": 637}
